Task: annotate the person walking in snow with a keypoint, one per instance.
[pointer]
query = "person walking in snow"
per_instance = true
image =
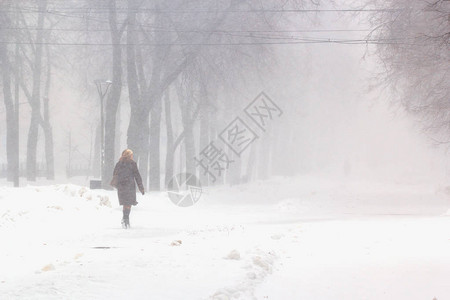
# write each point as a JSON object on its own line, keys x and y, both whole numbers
{"x": 125, "y": 175}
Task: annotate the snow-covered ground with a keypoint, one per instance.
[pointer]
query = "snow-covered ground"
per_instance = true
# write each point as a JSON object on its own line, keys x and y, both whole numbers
{"x": 292, "y": 238}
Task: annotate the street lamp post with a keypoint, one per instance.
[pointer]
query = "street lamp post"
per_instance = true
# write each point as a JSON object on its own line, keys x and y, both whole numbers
{"x": 102, "y": 88}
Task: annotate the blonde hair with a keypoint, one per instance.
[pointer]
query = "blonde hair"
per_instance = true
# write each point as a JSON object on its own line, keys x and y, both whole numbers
{"x": 126, "y": 154}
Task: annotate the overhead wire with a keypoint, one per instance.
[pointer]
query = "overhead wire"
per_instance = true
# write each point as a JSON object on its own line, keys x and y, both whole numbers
{"x": 303, "y": 41}
{"x": 252, "y": 34}
{"x": 190, "y": 11}
{"x": 187, "y": 30}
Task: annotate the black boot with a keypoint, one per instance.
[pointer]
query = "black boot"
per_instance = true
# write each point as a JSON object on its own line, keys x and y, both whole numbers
{"x": 126, "y": 217}
{"x": 125, "y": 223}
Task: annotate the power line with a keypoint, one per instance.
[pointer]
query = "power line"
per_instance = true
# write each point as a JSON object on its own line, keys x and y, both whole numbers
{"x": 156, "y": 29}
{"x": 305, "y": 41}
{"x": 279, "y": 35}
{"x": 104, "y": 21}
{"x": 239, "y": 34}
{"x": 229, "y": 32}
{"x": 193, "y": 31}
{"x": 294, "y": 40}
{"x": 187, "y": 11}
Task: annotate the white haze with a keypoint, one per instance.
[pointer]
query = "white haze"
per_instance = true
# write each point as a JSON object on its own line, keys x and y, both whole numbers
{"x": 339, "y": 123}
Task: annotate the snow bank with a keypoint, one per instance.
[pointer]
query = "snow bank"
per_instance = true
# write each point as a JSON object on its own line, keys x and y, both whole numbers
{"x": 42, "y": 207}
{"x": 258, "y": 265}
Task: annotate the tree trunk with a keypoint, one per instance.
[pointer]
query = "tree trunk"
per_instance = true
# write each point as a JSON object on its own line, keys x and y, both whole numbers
{"x": 189, "y": 142}
{"x": 144, "y": 150}
{"x": 32, "y": 146}
{"x": 234, "y": 172}
{"x": 204, "y": 140}
{"x": 35, "y": 96}
{"x": 137, "y": 134}
{"x": 48, "y": 132}
{"x": 277, "y": 158}
{"x": 170, "y": 153}
{"x": 264, "y": 155}
{"x": 11, "y": 122}
{"x": 137, "y": 138}
{"x": 154, "y": 150}
{"x": 213, "y": 134}
{"x": 188, "y": 130}
{"x": 251, "y": 163}
{"x": 155, "y": 96}
{"x": 118, "y": 133}
{"x": 113, "y": 99}
{"x": 153, "y": 99}
{"x": 16, "y": 157}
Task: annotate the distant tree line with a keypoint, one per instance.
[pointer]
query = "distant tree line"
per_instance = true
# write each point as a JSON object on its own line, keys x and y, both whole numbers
{"x": 179, "y": 64}
{"x": 26, "y": 63}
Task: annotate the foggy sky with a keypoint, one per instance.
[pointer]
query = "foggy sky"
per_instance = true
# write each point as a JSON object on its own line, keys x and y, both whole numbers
{"x": 337, "y": 119}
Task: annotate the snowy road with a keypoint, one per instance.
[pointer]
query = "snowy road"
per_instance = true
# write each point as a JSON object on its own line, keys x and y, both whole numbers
{"x": 303, "y": 240}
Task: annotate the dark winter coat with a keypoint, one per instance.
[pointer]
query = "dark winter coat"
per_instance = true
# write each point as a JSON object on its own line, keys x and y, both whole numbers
{"x": 126, "y": 173}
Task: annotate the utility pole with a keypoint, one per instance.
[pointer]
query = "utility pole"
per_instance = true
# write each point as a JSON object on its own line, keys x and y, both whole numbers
{"x": 16, "y": 168}
{"x": 102, "y": 88}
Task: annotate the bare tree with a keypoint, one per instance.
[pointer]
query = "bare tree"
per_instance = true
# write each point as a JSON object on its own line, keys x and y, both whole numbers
{"x": 112, "y": 103}
{"x": 12, "y": 126}
{"x": 202, "y": 44}
{"x": 45, "y": 123}
{"x": 414, "y": 48}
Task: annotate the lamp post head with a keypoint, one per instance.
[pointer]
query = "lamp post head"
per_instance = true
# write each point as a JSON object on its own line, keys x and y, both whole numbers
{"x": 100, "y": 83}
{"x": 103, "y": 81}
